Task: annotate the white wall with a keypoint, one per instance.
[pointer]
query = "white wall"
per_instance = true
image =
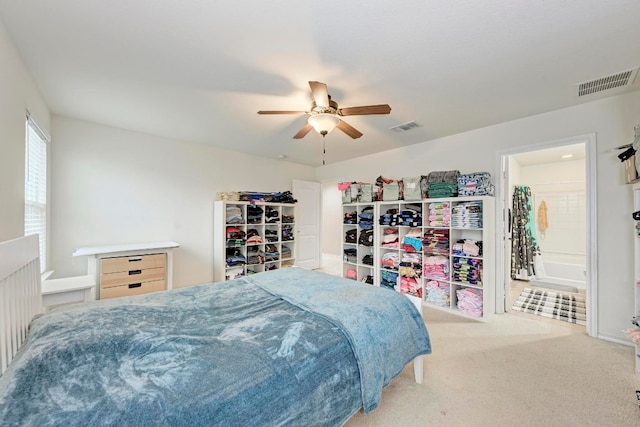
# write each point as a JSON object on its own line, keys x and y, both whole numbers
{"x": 611, "y": 119}
{"x": 113, "y": 186}
{"x": 18, "y": 93}
{"x": 562, "y": 186}
{"x": 331, "y": 219}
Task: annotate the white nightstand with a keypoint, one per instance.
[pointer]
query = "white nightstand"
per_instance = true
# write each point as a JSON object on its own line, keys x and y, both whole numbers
{"x": 67, "y": 290}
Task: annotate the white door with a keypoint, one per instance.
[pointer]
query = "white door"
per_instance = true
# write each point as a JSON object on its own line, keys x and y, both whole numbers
{"x": 307, "y": 223}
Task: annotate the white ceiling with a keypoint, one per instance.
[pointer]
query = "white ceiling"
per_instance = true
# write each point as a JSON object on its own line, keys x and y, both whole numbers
{"x": 551, "y": 155}
{"x": 198, "y": 70}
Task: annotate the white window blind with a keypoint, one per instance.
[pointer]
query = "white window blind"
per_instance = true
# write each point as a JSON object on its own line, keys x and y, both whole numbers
{"x": 35, "y": 191}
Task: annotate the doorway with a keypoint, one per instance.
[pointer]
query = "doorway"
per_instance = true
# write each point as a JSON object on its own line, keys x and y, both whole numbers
{"x": 307, "y": 223}
{"x": 331, "y": 231}
{"x": 558, "y": 178}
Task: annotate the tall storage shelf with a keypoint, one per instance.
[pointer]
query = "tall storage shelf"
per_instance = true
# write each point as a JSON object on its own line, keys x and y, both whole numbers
{"x": 358, "y": 241}
{"x": 471, "y": 263}
{"x": 252, "y": 237}
{"x": 400, "y": 246}
{"x": 441, "y": 250}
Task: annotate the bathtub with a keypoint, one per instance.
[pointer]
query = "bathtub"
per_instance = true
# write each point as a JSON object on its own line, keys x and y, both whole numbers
{"x": 565, "y": 274}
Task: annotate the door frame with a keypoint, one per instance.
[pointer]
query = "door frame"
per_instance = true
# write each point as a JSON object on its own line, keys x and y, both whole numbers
{"x": 501, "y": 219}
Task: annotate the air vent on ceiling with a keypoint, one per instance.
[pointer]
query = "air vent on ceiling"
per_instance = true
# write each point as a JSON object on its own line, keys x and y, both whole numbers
{"x": 624, "y": 78}
{"x": 405, "y": 126}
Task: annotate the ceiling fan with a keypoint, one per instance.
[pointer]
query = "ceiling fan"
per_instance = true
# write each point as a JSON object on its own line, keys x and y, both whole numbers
{"x": 324, "y": 115}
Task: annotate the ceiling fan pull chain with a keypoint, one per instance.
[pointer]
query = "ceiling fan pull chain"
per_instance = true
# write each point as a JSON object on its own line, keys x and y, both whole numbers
{"x": 324, "y": 149}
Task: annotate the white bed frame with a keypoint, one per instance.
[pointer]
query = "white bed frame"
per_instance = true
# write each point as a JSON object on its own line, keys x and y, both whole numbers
{"x": 417, "y": 362}
{"x": 21, "y": 297}
{"x": 20, "y": 293}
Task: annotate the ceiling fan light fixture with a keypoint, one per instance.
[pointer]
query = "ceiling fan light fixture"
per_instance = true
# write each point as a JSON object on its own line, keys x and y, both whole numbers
{"x": 324, "y": 123}
{"x": 325, "y": 116}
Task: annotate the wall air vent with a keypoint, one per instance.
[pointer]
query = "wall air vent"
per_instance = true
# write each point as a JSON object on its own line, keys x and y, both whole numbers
{"x": 618, "y": 80}
{"x": 405, "y": 127}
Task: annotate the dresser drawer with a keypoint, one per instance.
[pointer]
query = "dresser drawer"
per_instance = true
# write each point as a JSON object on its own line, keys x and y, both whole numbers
{"x": 120, "y": 278}
{"x": 132, "y": 289}
{"x": 129, "y": 263}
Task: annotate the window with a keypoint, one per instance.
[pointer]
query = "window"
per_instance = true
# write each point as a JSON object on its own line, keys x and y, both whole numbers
{"x": 35, "y": 187}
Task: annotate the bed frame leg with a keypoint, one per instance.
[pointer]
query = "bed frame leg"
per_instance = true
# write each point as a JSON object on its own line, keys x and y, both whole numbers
{"x": 417, "y": 362}
{"x": 418, "y": 369}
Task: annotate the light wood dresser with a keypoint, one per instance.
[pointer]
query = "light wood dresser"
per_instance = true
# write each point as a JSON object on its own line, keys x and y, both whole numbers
{"x": 134, "y": 269}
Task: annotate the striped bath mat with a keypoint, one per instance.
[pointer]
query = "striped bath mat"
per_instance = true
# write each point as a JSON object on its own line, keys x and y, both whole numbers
{"x": 554, "y": 305}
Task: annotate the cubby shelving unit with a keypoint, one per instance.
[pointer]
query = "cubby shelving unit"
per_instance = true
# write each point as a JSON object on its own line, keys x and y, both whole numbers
{"x": 252, "y": 237}
{"x": 444, "y": 257}
{"x": 358, "y": 250}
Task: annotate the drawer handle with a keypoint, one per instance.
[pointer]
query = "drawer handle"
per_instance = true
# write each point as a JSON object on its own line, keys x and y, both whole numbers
{"x": 135, "y": 259}
{"x": 134, "y": 272}
{"x": 135, "y": 285}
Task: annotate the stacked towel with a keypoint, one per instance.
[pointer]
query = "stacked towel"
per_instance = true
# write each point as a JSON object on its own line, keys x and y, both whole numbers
{"x": 439, "y": 214}
{"x": 410, "y": 217}
{"x": 442, "y": 189}
{"x": 467, "y": 270}
{"x": 234, "y": 214}
{"x": 410, "y": 269}
{"x": 470, "y": 301}
{"x": 412, "y": 241}
{"x": 436, "y": 267}
{"x": 389, "y": 237}
{"x": 410, "y": 285}
{"x": 467, "y": 247}
{"x": 437, "y": 293}
{"x": 350, "y": 218}
{"x": 435, "y": 242}
{"x": 390, "y": 261}
{"x": 350, "y": 255}
{"x": 389, "y": 218}
{"x": 388, "y": 279}
{"x": 366, "y": 218}
{"x": 467, "y": 215}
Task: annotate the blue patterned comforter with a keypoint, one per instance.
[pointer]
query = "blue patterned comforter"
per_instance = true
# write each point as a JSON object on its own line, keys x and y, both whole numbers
{"x": 285, "y": 347}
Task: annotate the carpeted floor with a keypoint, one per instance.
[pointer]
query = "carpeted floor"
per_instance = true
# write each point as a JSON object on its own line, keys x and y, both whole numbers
{"x": 553, "y": 305}
{"x": 512, "y": 371}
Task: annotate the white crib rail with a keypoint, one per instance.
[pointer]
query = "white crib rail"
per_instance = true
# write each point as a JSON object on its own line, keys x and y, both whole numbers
{"x": 20, "y": 293}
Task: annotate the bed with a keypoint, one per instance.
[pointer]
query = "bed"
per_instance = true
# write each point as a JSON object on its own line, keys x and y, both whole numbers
{"x": 284, "y": 347}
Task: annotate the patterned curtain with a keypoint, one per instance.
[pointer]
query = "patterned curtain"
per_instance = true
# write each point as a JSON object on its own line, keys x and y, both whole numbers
{"x": 524, "y": 246}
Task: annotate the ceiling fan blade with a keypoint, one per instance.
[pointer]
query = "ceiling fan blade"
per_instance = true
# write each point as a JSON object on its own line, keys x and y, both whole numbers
{"x": 320, "y": 94}
{"x": 348, "y": 129}
{"x": 302, "y": 132}
{"x": 280, "y": 112}
{"x": 365, "y": 109}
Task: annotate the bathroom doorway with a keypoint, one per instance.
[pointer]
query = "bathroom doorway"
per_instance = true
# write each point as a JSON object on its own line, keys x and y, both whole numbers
{"x": 557, "y": 179}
